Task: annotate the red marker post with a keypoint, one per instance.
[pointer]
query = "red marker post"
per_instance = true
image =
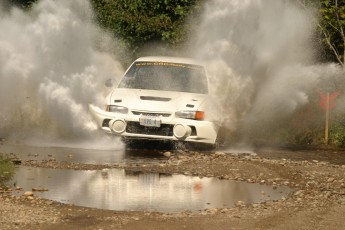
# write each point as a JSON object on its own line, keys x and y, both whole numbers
{"x": 327, "y": 103}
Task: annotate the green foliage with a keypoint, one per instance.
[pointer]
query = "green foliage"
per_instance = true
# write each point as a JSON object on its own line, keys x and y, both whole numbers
{"x": 337, "y": 132}
{"x": 332, "y": 23}
{"x": 25, "y": 4}
{"x": 6, "y": 169}
{"x": 140, "y": 22}
{"x": 330, "y": 15}
{"x": 337, "y": 136}
{"x": 304, "y": 138}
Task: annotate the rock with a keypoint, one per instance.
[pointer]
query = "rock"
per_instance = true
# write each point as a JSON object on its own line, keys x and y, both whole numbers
{"x": 299, "y": 193}
{"x": 213, "y": 211}
{"x": 39, "y": 189}
{"x": 240, "y": 203}
{"x": 330, "y": 180}
{"x": 28, "y": 193}
{"x": 105, "y": 172}
{"x": 250, "y": 180}
{"x": 219, "y": 154}
{"x": 49, "y": 202}
{"x": 16, "y": 161}
{"x": 167, "y": 154}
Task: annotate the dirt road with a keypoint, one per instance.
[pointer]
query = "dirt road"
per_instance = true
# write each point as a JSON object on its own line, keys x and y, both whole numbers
{"x": 318, "y": 200}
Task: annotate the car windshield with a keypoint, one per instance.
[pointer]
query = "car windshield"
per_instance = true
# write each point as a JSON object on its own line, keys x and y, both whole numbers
{"x": 166, "y": 76}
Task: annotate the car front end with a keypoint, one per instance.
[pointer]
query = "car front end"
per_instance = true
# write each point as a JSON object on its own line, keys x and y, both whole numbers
{"x": 159, "y": 111}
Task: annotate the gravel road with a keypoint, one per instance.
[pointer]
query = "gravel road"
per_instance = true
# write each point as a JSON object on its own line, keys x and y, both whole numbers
{"x": 318, "y": 200}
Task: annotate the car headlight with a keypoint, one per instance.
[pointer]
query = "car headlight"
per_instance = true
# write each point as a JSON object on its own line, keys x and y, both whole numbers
{"x": 195, "y": 115}
{"x": 116, "y": 109}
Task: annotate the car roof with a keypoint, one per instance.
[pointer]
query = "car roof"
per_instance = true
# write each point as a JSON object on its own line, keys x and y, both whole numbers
{"x": 180, "y": 60}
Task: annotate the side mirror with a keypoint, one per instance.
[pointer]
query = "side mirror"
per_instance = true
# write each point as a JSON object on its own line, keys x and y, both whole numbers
{"x": 109, "y": 83}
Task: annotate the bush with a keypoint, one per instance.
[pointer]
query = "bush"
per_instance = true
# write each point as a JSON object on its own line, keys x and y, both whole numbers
{"x": 6, "y": 169}
{"x": 337, "y": 136}
{"x": 140, "y": 22}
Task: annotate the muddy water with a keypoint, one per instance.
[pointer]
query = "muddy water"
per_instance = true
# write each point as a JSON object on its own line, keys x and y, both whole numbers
{"x": 116, "y": 189}
{"x": 148, "y": 156}
{"x": 80, "y": 155}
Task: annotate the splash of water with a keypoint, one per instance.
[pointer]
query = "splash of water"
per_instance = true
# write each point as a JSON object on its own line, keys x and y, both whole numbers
{"x": 50, "y": 70}
{"x": 258, "y": 52}
{"x": 260, "y": 56}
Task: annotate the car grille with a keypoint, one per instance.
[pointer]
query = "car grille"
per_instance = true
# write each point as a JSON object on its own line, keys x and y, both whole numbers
{"x": 163, "y": 130}
{"x": 151, "y": 114}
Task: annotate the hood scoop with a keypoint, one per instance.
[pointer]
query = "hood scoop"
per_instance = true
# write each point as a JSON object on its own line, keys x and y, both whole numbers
{"x": 150, "y": 98}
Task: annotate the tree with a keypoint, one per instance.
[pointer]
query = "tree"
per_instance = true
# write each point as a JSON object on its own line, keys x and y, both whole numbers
{"x": 21, "y": 3}
{"x": 139, "y": 22}
{"x": 332, "y": 26}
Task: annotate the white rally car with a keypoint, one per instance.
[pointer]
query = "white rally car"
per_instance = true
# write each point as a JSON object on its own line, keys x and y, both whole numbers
{"x": 161, "y": 98}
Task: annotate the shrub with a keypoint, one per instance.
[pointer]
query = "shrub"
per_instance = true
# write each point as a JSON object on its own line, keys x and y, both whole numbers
{"x": 337, "y": 135}
{"x": 6, "y": 169}
{"x": 141, "y": 22}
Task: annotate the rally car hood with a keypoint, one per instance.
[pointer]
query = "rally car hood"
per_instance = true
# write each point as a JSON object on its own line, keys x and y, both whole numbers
{"x": 153, "y": 100}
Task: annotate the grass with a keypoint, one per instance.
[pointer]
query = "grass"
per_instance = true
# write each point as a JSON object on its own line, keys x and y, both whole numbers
{"x": 6, "y": 169}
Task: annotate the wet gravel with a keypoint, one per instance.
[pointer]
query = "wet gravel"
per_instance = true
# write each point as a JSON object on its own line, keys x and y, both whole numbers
{"x": 317, "y": 202}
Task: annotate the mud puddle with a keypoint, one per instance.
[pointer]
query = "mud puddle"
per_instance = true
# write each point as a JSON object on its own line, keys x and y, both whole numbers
{"x": 117, "y": 189}
{"x": 80, "y": 155}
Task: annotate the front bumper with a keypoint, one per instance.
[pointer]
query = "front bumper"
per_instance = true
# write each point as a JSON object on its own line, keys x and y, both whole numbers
{"x": 171, "y": 128}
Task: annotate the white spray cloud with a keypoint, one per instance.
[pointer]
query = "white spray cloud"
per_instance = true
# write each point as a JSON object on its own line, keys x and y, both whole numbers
{"x": 258, "y": 52}
{"x": 260, "y": 59}
{"x": 50, "y": 70}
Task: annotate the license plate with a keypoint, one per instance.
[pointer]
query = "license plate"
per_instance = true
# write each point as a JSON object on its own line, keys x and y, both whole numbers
{"x": 150, "y": 121}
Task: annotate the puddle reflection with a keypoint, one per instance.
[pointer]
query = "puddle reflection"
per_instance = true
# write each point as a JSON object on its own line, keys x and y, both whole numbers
{"x": 116, "y": 189}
